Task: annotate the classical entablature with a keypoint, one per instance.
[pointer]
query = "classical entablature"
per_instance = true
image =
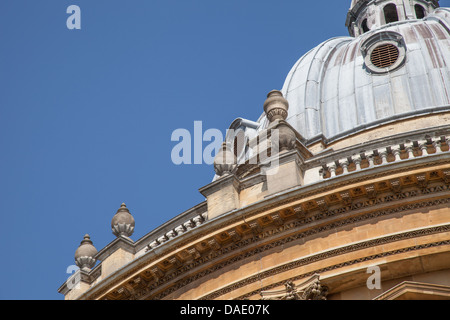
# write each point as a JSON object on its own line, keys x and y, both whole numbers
{"x": 302, "y": 211}
{"x": 294, "y": 221}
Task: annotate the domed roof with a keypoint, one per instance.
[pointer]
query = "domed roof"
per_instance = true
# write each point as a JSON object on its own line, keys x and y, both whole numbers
{"x": 349, "y": 84}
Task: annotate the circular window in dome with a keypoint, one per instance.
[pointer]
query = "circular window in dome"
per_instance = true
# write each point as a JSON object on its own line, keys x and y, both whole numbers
{"x": 384, "y": 52}
{"x": 384, "y": 56}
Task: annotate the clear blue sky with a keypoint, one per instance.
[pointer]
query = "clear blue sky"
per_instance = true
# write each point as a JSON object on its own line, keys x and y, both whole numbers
{"x": 87, "y": 115}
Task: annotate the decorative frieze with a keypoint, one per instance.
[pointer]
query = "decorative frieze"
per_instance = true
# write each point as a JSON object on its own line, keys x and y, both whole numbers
{"x": 235, "y": 236}
{"x": 295, "y": 264}
{"x": 193, "y": 252}
{"x": 346, "y": 198}
{"x": 175, "y": 261}
{"x": 255, "y": 227}
{"x": 422, "y": 181}
{"x": 371, "y": 191}
{"x": 291, "y": 221}
{"x": 396, "y": 185}
{"x": 156, "y": 272}
{"x": 214, "y": 244}
{"x": 332, "y": 253}
{"x": 446, "y": 176}
{"x": 277, "y": 219}
{"x": 138, "y": 283}
{"x": 322, "y": 205}
{"x": 252, "y": 241}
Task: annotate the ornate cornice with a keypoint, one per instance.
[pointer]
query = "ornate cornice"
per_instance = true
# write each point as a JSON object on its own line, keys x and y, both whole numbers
{"x": 321, "y": 256}
{"x": 336, "y": 209}
{"x": 321, "y": 270}
{"x": 253, "y": 242}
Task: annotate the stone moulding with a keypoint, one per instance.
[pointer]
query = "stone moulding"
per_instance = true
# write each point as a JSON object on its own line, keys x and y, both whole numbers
{"x": 322, "y": 270}
{"x": 159, "y": 289}
{"x": 254, "y": 241}
{"x": 318, "y": 257}
{"x": 414, "y": 287}
{"x": 326, "y": 141}
{"x": 295, "y": 264}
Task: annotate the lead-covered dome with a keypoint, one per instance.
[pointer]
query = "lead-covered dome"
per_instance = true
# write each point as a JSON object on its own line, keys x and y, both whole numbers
{"x": 392, "y": 71}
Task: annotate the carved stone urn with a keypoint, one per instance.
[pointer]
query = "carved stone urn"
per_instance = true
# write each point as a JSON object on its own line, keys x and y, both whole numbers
{"x": 84, "y": 255}
{"x": 225, "y": 160}
{"x": 122, "y": 223}
{"x": 276, "y": 106}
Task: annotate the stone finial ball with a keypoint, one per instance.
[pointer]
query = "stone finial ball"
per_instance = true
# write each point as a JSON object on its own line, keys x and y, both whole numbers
{"x": 122, "y": 224}
{"x": 85, "y": 253}
{"x": 225, "y": 160}
{"x": 276, "y": 106}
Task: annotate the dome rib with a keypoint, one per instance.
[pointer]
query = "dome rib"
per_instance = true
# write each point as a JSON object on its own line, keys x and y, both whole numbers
{"x": 305, "y": 103}
{"x": 440, "y": 58}
{"x": 332, "y": 91}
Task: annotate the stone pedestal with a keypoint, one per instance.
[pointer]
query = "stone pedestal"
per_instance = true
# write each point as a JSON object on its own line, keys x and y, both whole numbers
{"x": 222, "y": 195}
{"x": 115, "y": 255}
{"x": 76, "y": 285}
{"x": 287, "y": 174}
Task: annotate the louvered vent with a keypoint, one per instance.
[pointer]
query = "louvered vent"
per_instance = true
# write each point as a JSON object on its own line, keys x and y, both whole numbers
{"x": 384, "y": 56}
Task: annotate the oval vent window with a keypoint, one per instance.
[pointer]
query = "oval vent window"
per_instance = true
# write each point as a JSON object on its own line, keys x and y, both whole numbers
{"x": 384, "y": 56}
{"x": 383, "y": 52}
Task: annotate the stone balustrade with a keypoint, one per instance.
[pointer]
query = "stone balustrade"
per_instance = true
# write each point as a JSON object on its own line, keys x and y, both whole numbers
{"x": 178, "y": 230}
{"x": 385, "y": 155}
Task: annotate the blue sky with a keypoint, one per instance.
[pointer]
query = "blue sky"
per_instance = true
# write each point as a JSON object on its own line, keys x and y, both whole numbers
{"x": 87, "y": 115}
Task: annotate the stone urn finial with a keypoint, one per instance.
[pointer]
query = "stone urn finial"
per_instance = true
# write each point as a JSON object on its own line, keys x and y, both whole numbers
{"x": 276, "y": 106}
{"x": 122, "y": 223}
{"x": 84, "y": 255}
{"x": 286, "y": 138}
{"x": 225, "y": 161}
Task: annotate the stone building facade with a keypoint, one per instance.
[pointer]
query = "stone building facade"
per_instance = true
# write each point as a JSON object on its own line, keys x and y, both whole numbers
{"x": 340, "y": 190}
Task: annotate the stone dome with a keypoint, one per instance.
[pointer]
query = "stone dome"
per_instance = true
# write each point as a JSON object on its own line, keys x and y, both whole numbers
{"x": 394, "y": 71}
